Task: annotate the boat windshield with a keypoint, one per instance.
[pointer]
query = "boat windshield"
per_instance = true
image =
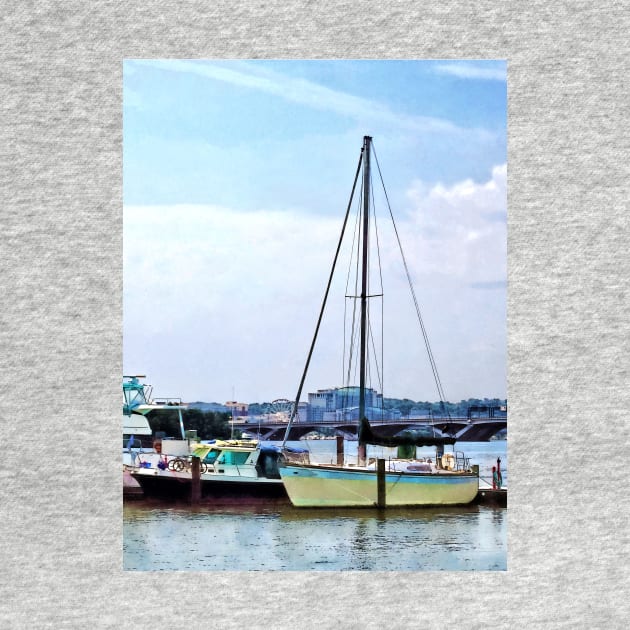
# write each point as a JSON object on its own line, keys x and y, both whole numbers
{"x": 211, "y": 457}
{"x": 133, "y": 395}
{"x": 233, "y": 458}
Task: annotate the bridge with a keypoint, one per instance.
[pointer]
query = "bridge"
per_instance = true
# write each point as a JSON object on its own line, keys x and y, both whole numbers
{"x": 463, "y": 429}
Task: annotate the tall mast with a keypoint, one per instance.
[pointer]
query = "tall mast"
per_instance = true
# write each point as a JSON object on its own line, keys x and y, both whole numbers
{"x": 364, "y": 288}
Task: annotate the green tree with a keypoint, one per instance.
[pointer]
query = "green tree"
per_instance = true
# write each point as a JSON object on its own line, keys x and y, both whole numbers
{"x": 209, "y": 424}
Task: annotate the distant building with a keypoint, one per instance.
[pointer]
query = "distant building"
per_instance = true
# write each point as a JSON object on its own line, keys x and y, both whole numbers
{"x": 351, "y": 414}
{"x": 204, "y": 406}
{"x": 325, "y": 403}
{"x": 236, "y": 408}
{"x": 319, "y": 403}
{"x": 302, "y": 412}
{"x": 282, "y": 413}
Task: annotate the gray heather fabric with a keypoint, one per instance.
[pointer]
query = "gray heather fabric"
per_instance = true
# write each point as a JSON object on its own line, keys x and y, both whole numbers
{"x": 61, "y": 313}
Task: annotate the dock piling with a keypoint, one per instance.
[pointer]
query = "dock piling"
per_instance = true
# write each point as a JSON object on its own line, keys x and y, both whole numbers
{"x": 195, "y": 486}
{"x": 380, "y": 483}
{"x": 339, "y": 450}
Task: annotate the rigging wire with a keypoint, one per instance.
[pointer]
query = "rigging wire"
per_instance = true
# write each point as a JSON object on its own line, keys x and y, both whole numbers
{"x": 345, "y": 378}
{"x": 380, "y": 272}
{"x": 434, "y": 369}
{"x": 321, "y": 313}
{"x": 378, "y": 372}
{"x": 371, "y": 348}
{"x": 354, "y": 328}
{"x": 368, "y": 364}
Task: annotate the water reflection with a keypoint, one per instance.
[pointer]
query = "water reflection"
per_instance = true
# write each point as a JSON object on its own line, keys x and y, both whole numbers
{"x": 178, "y": 537}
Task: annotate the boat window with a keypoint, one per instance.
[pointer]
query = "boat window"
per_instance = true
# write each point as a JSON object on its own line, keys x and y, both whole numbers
{"x": 268, "y": 464}
{"x": 210, "y": 457}
{"x": 233, "y": 458}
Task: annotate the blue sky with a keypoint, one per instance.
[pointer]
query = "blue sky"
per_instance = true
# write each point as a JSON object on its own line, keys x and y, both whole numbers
{"x": 235, "y": 179}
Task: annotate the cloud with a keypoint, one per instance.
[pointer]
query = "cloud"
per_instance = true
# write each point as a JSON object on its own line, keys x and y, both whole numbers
{"x": 213, "y": 254}
{"x": 215, "y": 298}
{"x": 469, "y": 70}
{"x": 230, "y": 295}
{"x": 462, "y": 228}
{"x": 303, "y": 92}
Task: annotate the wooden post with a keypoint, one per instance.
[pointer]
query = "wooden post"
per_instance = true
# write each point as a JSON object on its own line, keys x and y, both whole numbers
{"x": 380, "y": 483}
{"x": 195, "y": 485}
{"x": 340, "y": 450}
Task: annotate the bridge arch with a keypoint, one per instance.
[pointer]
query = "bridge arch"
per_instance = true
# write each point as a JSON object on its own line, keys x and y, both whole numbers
{"x": 464, "y": 429}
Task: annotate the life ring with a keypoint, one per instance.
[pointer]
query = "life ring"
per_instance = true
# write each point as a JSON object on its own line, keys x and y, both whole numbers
{"x": 448, "y": 461}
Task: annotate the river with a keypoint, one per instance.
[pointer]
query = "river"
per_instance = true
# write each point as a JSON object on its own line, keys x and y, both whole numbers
{"x": 168, "y": 536}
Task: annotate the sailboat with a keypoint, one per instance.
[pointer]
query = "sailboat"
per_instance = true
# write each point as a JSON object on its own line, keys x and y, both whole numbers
{"x": 449, "y": 479}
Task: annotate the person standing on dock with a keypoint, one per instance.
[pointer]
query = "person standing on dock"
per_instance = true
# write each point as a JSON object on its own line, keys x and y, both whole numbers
{"x": 497, "y": 480}
{"x": 132, "y": 454}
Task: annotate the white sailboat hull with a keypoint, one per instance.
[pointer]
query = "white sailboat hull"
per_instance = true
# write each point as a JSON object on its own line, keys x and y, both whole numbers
{"x": 329, "y": 486}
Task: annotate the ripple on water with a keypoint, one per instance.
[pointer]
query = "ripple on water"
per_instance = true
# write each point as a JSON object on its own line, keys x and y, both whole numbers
{"x": 158, "y": 537}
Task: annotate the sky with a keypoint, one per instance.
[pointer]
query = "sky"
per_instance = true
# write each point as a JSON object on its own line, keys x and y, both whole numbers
{"x": 236, "y": 178}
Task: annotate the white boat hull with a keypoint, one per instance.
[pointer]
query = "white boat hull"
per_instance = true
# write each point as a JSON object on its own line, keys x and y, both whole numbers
{"x": 329, "y": 486}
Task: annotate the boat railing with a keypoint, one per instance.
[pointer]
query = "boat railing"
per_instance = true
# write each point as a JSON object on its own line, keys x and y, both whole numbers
{"x": 461, "y": 461}
{"x": 170, "y": 402}
{"x": 295, "y": 457}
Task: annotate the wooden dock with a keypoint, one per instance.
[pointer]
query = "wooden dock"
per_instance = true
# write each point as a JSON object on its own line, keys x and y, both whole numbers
{"x": 488, "y": 496}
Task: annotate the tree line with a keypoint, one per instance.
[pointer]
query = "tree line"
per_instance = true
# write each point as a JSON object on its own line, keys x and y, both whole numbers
{"x": 209, "y": 425}
{"x": 405, "y": 405}
{"x": 217, "y": 425}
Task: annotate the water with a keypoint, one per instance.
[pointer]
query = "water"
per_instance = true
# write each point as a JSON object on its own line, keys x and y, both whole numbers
{"x": 165, "y": 537}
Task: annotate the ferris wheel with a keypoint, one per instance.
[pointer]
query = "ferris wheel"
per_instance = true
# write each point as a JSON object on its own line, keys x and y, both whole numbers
{"x": 280, "y": 409}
